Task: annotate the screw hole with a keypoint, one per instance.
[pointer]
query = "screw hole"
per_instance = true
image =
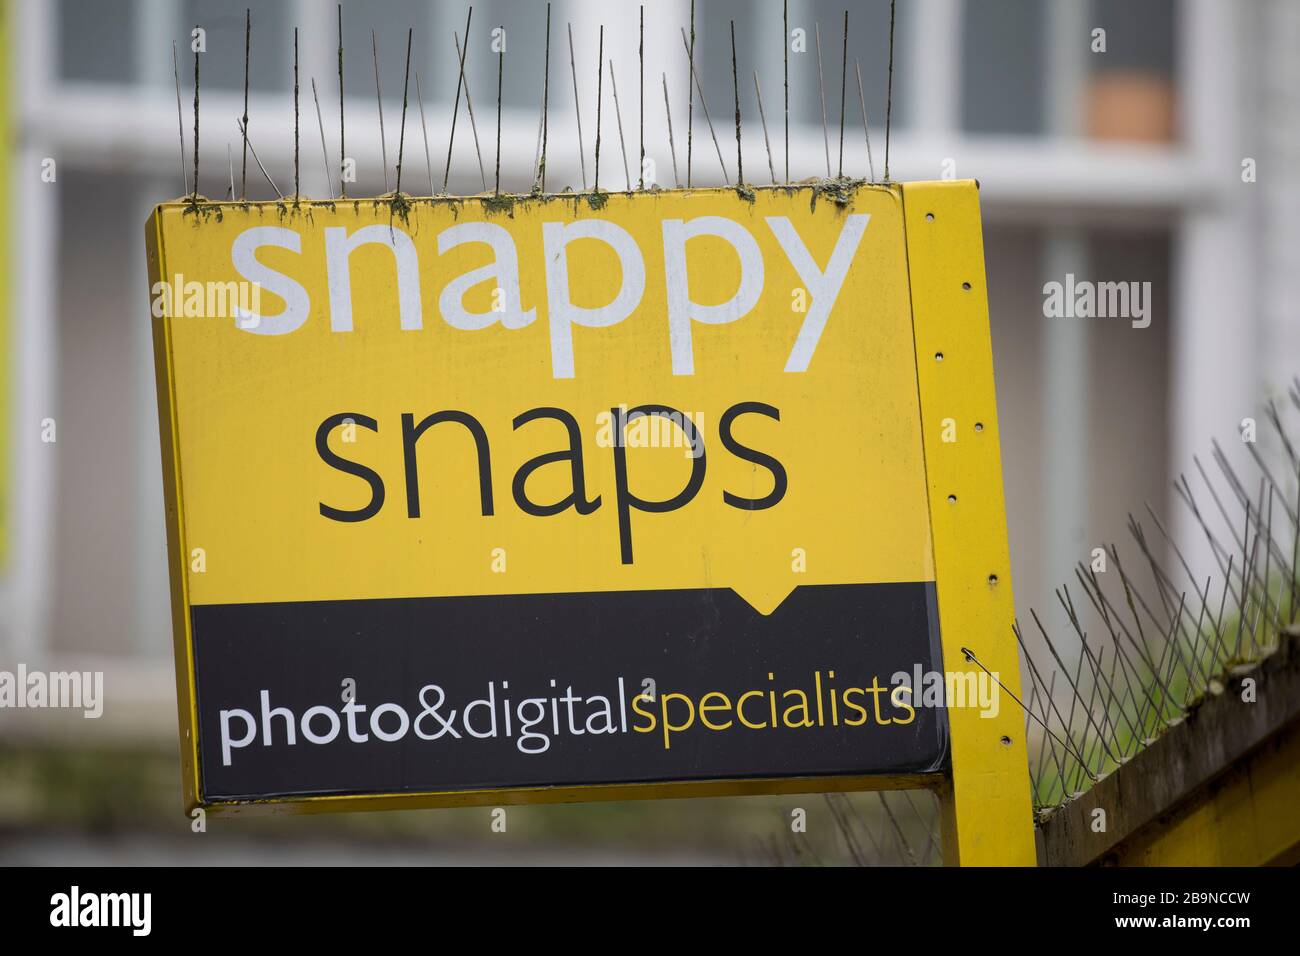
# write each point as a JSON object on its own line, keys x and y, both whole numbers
{"x": 966, "y": 286}
{"x": 1006, "y": 741}
{"x": 938, "y": 356}
{"x": 929, "y": 217}
{"x": 952, "y": 499}
{"x": 993, "y": 579}
{"x": 979, "y": 426}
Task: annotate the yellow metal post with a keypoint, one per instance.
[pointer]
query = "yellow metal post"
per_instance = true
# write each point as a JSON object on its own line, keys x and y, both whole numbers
{"x": 7, "y": 291}
{"x": 987, "y": 815}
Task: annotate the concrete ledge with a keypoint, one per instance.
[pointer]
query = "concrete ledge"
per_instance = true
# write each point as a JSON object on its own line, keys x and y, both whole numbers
{"x": 1217, "y": 735}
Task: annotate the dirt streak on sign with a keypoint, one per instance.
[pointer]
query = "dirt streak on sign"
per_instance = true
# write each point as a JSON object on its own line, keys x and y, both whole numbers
{"x": 566, "y": 494}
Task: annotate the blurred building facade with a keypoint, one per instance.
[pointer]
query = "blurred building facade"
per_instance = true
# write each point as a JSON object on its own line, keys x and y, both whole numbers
{"x": 1122, "y": 164}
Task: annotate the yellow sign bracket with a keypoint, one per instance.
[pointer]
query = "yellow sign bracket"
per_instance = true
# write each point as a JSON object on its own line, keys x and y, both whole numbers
{"x": 986, "y": 812}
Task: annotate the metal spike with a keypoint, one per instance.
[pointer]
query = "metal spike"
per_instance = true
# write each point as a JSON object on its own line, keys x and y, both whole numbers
{"x": 1264, "y": 469}
{"x": 1235, "y": 484}
{"x": 709, "y": 120}
{"x": 767, "y": 143}
{"x": 1091, "y": 747}
{"x": 1172, "y": 544}
{"x": 324, "y": 152}
{"x": 537, "y": 154}
{"x": 1061, "y": 664}
{"x": 1048, "y": 744}
{"x": 785, "y": 60}
{"x": 618, "y": 115}
{"x": 577, "y": 111}
{"x": 1063, "y": 596}
{"x": 1035, "y": 784}
{"x": 821, "y": 86}
{"x": 248, "y": 49}
{"x": 469, "y": 106}
{"x": 1163, "y": 585}
{"x": 690, "y": 98}
{"x": 343, "y": 146}
{"x": 1295, "y": 556}
{"x": 932, "y": 837}
{"x": 546, "y": 102}
{"x": 1184, "y": 490}
{"x": 640, "y": 53}
{"x": 846, "y": 831}
{"x": 1248, "y": 563}
{"x": 898, "y": 831}
{"x": 501, "y": 67}
{"x": 180, "y": 122}
{"x": 1218, "y": 624}
{"x": 1261, "y": 613}
{"x": 877, "y": 841}
{"x": 424, "y": 129}
{"x": 1111, "y": 618}
{"x": 1084, "y": 767}
{"x": 600, "y": 74}
{"x": 296, "y": 166}
{"x": 866, "y": 129}
{"x": 541, "y": 115}
{"x": 735, "y": 88}
{"x": 1129, "y": 601}
{"x": 401, "y": 134}
{"x": 889, "y": 95}
{"x": 1197, "y": 656}
{"x": 1214, "y": 496}
{"x": 1275, "y": 419}
{"x": 196, "y": 124}
{"x": 672, "y": 146}
{"x": 844, "y": 74}
{"x": 244, "y": 131}
{"x": 379, "y": 99}
{"x": 1056, "y": 757}
{"x": 455, "y": 111}
{"x": 1069, "y": 747}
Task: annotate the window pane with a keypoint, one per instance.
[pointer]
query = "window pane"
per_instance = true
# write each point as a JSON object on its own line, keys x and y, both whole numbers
{"x": 1139, "y": 36}
{"x": 95, "y": 524}
{"x": 270, "y": 66}
{"x": 97, "y": 40}
{"x": 389, "y": 21}
{"x": 1002, "y": 71}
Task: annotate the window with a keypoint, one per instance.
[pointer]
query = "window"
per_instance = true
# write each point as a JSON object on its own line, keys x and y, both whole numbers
{"x": 97, "y": 41}
{"x": 1002, "y": 75}
{"x": 270, "y": 66}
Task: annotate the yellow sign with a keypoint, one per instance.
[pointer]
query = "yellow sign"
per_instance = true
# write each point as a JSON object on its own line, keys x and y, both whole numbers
{"x": 706, "y": 304}
{"x": 654, "y": 464}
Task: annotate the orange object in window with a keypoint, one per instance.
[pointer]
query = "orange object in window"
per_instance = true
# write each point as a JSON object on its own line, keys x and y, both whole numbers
{"x": 1131, "y": 105}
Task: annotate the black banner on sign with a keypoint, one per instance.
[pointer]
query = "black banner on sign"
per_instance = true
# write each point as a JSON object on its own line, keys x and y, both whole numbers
{"x": 473, "y": 693}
